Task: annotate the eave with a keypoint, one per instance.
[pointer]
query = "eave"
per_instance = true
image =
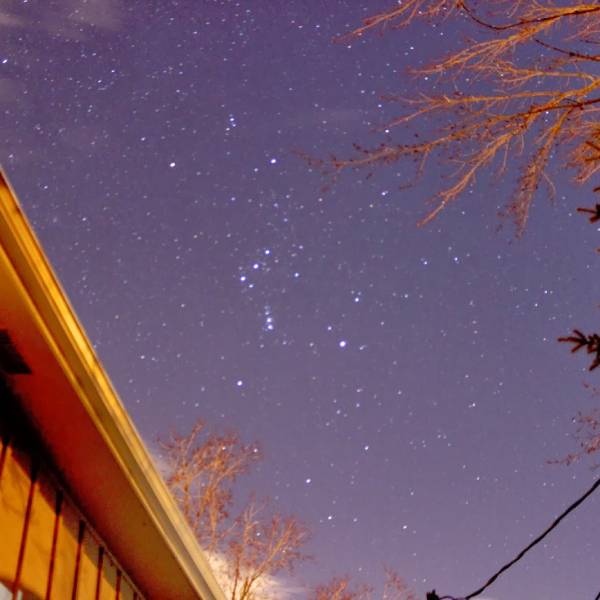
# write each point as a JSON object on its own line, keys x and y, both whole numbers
{"x": 82, "y": 422}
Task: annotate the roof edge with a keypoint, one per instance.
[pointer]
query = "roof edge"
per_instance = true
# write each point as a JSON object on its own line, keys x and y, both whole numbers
{"x": 100, "y": 401}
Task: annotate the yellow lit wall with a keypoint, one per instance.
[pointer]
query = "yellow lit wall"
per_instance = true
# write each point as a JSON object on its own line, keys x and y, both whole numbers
{"x": 47, "y": 548}
{"x": 62, "y": 526}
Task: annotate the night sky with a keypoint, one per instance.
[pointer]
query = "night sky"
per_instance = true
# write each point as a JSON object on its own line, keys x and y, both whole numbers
{"x": 405, "y": 382}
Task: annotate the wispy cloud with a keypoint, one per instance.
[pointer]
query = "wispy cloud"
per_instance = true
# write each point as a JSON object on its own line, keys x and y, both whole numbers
{"x": 103, "y": 14}
{"x": 267, "y": 588}
{"x": 68, "y": 19}
{"x": 10, "y": 91}
{"x": 8, "y": 20}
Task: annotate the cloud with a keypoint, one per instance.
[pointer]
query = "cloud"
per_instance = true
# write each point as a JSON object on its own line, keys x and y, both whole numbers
{"x": 69, "y": 19}
{"x": 330, "y": 117}
{"x": 158, "y": 457}
{"x": 337, "y": 116}
{"x": 267, "y": 588}
{"x": 8, "y": 20}
{"x": 85, "y": 138}
{"x": 75, "y": 20}
{"x": 102, "y": 14}
{"x": 10, "y": 91}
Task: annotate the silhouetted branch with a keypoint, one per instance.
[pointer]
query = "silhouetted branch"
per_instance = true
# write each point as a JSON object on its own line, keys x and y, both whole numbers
{"x": 595, "y": 212}
{"x": 590, "y": 342}
{"x": 555, "y": 13}
{"x": 570, "y": 53}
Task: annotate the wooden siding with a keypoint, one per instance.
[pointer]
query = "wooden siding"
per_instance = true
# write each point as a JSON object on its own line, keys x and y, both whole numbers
{"x": 88, "y": 436}
{"x": 48, "y": 550}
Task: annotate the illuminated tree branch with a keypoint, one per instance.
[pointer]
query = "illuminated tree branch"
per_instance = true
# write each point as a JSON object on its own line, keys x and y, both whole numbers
{"x": 541, "y": 109}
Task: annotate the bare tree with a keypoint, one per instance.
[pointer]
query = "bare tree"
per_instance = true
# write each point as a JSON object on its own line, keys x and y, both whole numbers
{"x": 395, "y": 588}
{"x": 341, "y": 588}
{"x": 262, "y": 546}
{"x": 587, "y": 434}
{"x": 525, "y": 87}
{"x": 255, "y": 545}
{"x": 202, "y": 467}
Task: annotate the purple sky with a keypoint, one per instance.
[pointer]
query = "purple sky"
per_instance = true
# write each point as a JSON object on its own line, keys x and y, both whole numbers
{"x": 405, "y": 383}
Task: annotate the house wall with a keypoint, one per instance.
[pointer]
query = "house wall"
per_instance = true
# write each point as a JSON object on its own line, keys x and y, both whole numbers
{"x": 48, "y": 550}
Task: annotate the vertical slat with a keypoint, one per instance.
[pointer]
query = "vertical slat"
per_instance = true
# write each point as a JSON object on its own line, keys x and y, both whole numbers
{"x": 99, "y": 574}
{"x": 4, "y": 440}
{"x": 65, "y": 559}
{"x": 126, "y": 591}
{"x": 25, "y": 530}
{"x": 57, "y": 522}
{"x": 14, "y": 490}
{"x": 7, "y": 426}
{"x": 38, "y": 552}
{"x": 88, "y": 568}
{"x": 80, "y": 536}
{"x": 108, "y": 591}
{"x": 118, "y": 586}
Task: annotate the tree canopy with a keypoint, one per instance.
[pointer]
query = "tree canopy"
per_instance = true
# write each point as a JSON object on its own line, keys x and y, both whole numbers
{"x": 522, "y": 88}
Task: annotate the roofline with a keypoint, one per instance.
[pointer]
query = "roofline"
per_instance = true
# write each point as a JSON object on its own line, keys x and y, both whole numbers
{"x": 73, "y": 351}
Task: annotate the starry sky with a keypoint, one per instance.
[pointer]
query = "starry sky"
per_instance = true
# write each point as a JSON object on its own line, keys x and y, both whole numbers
{"x": 404, "y": 382}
